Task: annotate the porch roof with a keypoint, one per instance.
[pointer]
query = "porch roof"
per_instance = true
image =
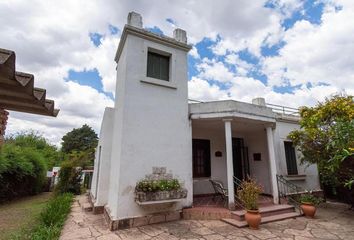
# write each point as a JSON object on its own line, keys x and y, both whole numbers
{"x": 231, "y": 109}
{"x": 17, "y": 91}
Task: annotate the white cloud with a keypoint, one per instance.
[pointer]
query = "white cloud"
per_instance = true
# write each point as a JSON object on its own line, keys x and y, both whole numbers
{"x": 50, "y": 38}
{"x": 194, "y": 52}
{"x": 214, "y": 70}
{"x": 202, "y": 90}
{"x": 317, "y": 53}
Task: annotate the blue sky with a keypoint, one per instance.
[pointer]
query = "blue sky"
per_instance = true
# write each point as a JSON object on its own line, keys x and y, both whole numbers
{"x": 291, "y": 52}
{"x": 310, "y": 11}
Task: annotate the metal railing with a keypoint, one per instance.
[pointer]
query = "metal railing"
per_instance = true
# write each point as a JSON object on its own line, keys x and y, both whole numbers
{"x": 237, "y": 184}
{"x": 284, "y": 110}
{"x": 288, "y": 191}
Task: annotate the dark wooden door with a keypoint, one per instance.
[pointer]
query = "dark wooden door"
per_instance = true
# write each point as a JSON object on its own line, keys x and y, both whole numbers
{"x": 240, "y": 158}
{"x": 201, "y": 158}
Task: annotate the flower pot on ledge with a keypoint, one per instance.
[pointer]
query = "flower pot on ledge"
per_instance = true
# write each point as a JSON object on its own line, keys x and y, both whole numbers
{"x": 160, "y": 195}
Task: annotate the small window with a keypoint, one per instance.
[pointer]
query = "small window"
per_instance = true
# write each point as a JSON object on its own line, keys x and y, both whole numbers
{"x": 290, "y": 158}
{"x": 201, "y": 158}
{"x": 158, "y": 66}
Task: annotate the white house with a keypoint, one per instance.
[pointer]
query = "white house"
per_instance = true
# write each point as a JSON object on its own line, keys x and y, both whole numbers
{"x": 154, "y": 125}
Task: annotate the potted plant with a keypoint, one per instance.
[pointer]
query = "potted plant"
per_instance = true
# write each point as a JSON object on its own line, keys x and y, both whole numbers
{"x": 309, "y": 203}
{"x": 248, "y": 193}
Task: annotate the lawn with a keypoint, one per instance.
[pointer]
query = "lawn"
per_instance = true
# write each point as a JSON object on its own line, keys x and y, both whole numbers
{"x": 21, "y": 214}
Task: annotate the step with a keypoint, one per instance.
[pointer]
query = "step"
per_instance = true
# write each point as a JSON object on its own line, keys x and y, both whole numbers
{"x": 267, "y": 219}
{"x": 85, "y": 204}
{"x": 265, "y": 211}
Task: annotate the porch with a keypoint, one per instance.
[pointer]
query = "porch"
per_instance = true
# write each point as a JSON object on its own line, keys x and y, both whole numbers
{"x": 228, "y": 142}
{"x": 212, "y": 208}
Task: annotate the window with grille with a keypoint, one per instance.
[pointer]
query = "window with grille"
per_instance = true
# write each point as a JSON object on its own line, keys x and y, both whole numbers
{"x": 201, "y": 158}
{"x": 290, "y": 158}
{"x": 158, "y": 66}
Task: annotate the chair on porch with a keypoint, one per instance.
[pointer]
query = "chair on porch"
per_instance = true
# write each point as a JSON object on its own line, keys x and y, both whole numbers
{"x": 219, "y": 190}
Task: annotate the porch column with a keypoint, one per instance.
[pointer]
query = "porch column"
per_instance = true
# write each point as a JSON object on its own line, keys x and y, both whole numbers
{"x": 272, "y": 164}
{"x": 229, "y": 163}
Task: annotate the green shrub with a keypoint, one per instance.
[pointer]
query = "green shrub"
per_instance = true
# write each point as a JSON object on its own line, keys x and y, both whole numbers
{"x": 53, "y": 218}
{"x": 22, "y": 171}
{"x": 157, "y": 185}
{"x": 248, "y": 193}
{"x": 310, "y": 198}
{"x": 69, "y": 178}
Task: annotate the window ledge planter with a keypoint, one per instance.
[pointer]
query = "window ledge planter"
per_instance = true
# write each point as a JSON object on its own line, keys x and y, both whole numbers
{"x": 159, "y": 187}
{"x": 159, "y": 196}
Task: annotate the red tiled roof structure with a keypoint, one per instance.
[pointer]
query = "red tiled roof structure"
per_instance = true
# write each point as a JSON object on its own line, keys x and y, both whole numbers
{"x": 17, "y": 91}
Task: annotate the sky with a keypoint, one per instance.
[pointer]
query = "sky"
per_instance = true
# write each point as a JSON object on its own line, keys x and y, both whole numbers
{"x": 289, "y": 52}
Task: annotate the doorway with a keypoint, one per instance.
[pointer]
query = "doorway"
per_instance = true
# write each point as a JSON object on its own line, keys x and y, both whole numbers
{"x": 240, "y": 158}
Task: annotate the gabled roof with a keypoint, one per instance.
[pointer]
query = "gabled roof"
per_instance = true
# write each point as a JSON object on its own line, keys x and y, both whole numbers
{"x": 17, "y": 91}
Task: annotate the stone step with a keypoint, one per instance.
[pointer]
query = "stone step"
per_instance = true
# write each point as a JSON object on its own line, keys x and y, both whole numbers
{"x": 268, "y": 219}
{"x": 265, "y": 211}
{"x": 84, "y": 203}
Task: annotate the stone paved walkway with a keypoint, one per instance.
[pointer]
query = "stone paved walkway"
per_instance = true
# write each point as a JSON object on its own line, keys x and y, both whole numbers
{"x": 333, "y": 221}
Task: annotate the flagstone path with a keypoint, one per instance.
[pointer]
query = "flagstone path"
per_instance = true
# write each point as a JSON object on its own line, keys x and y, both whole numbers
{"x": 333, "y": 221}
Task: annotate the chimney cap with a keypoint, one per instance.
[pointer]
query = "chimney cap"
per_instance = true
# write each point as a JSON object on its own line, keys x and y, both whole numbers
{"x": 259, "y": 101}
{"x": 180, "y": 35}
{"x": 135, "y": 19}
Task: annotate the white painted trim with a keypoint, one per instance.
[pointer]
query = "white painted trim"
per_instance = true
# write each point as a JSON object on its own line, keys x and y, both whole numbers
{"x": 272, "y": 163}
{"x": 163, "y": 50}
{"x": 229, "y": 163}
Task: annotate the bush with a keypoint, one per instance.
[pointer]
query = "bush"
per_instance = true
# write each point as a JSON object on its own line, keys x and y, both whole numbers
{"x": 22, "y": 172}
{"x": 69, "y": 178}
{"x": 53, "y": 218}
{"x": 310, "y": 198}
{"x": 248, "y": 193}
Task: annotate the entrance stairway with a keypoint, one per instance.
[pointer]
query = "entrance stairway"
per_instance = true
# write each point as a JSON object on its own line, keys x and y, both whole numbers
{"x": 269, "y": 214}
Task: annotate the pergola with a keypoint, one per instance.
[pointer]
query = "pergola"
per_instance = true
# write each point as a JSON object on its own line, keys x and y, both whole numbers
{"x": 17, "y": 92}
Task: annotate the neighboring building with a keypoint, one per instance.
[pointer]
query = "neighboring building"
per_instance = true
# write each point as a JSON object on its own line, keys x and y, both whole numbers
{"x": 154, "y": 125}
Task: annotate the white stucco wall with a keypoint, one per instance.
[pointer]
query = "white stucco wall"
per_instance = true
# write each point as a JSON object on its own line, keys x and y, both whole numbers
{"x": 151, "y": 128}
{"x": 217, "y": 164}
{"x": 101, "y": 178}
{"x": 257, "y": 143}
{"x": 311, "y": 180}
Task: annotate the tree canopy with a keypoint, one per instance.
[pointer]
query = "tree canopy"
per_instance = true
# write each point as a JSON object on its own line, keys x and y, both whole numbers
{"x": 326, "y": 137}
{"x": 82, "y": 139}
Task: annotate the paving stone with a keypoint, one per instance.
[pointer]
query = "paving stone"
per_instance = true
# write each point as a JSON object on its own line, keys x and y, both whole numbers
{"x": 110, "y": 236}
{"x": 323, "y": 234}
{"x": 332, "y": 222}
{"x": 300, "y": 233}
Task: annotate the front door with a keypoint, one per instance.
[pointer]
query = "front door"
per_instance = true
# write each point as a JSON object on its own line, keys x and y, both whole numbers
{"x": 240, "y": 158}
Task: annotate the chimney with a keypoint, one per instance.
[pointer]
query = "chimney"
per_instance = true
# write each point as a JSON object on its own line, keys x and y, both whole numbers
{"x": 135, "y": 20}
{"x": 180, "y": 35}
{"x": 259, "y": 101}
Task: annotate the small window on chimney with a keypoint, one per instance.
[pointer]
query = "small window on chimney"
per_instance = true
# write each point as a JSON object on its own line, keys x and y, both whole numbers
{"x": 158, "y": 66}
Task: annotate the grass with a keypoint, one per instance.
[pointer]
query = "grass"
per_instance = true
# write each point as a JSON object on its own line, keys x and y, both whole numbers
{"x": 21, "y": 215}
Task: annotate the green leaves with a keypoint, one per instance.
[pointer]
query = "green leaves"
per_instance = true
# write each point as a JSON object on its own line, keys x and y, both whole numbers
{"x": 326, "y": 136}
{"x": 81, "y": 140}
{"x": 158, "y": 185}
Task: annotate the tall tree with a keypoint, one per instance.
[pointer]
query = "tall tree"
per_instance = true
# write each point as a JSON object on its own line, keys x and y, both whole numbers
{"x": 326, "y": 138}
{"x": 82, "y": 139}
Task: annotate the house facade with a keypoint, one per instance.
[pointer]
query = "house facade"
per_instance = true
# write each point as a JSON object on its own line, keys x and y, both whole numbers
{"x": 154, "y": 125}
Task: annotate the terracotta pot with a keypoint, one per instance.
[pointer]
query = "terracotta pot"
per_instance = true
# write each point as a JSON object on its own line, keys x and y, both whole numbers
{"x": 253, "y": 218}
{"x": 309, "y": 209}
